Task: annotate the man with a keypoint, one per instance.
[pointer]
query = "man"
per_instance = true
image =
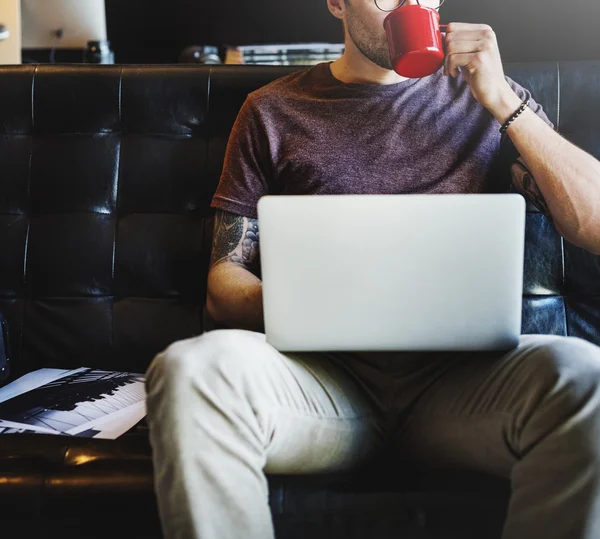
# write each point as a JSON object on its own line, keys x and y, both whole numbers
{"x": 226, "y": 407}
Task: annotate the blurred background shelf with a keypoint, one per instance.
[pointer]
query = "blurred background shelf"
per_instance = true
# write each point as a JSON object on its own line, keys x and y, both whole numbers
{"x": 157, "y": 32}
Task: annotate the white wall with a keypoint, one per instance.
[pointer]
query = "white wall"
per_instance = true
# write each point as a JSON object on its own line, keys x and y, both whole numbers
{"x": 10, "y": 16}
{"x": 81, "y": 21}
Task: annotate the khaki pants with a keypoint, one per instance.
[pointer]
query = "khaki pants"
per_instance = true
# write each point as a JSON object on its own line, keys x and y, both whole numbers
{"x": 226, "y": 407}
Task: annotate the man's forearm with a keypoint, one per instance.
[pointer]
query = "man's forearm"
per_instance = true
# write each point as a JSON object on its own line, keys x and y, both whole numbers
{"x": 568, "y": 177}
{"x": 235, "y": 298}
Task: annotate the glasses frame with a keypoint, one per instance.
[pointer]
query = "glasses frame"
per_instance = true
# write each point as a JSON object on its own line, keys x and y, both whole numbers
{"x": 402, "y": 2}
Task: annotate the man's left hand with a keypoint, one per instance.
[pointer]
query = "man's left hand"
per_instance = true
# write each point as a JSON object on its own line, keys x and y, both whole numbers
{"x": 473, "y": 48}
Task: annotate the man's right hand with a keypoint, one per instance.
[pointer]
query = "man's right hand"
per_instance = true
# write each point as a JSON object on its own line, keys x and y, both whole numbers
{"x": 234, "y": 293}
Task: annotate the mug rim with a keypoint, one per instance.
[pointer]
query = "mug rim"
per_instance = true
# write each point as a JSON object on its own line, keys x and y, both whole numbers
{"x": 429, "y": 9}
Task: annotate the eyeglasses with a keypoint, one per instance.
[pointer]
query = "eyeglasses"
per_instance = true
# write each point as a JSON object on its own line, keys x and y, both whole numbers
{"x": 392, "y": 5}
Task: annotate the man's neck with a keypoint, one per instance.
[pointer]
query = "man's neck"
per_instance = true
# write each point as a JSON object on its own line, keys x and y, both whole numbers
{"x": 354, "y": 67}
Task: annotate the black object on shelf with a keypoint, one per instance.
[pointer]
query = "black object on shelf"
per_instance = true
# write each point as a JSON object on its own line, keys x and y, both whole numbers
{"x": 200, "y": 54}
{"x": 99, "y": 52}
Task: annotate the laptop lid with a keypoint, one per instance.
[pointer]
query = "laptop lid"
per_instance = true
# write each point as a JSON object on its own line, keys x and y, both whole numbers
{"x": 392, "y": 272}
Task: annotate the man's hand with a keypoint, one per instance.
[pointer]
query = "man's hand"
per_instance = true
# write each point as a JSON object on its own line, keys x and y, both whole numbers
{"x": 473, "y": 48}
{"x": 560, "y": 178}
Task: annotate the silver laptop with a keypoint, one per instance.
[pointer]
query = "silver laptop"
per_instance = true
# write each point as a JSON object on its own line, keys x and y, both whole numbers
{"x": 392, "y": 272}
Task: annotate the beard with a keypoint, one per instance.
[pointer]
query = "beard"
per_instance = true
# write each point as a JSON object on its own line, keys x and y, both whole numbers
{"x": 373, "y": 45}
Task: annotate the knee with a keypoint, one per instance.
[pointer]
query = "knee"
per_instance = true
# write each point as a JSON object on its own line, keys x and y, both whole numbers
{"x": 568, "y": 361}
{"x": 226, "y": 353}
{"x": 561, "y": 390}
{"x": 566, "y": 373}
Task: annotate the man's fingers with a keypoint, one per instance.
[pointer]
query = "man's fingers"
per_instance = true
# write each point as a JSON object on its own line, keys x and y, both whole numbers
{"x": 460, "y": 26}
{"x": 461, "y": 47}
{"x": 455, "y": 61}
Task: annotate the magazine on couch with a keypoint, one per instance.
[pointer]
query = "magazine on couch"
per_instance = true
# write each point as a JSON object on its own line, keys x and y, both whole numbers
{"x": 82, "y": 402}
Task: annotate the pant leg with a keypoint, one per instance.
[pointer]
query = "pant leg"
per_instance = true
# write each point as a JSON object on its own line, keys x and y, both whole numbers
{"x": 225, "y": 407}
{"x": 533, "y": 415}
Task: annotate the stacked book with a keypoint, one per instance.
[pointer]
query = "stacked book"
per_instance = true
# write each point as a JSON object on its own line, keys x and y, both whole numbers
{"x": 285, "y": 54}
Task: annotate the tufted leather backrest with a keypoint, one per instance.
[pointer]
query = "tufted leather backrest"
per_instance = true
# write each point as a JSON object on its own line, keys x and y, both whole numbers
{"x": 106, "y": 175}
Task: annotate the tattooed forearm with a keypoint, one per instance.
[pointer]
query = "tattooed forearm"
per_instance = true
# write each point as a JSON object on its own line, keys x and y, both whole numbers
{"x": 524, "y": 182}
{"x": 235, "y": 239}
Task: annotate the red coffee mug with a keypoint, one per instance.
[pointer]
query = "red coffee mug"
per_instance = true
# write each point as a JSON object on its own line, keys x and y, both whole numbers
{"x": 414, "y": 37}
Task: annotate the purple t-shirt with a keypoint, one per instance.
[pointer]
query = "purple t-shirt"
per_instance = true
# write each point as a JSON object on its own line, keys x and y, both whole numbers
{"x": 309, "y": 133}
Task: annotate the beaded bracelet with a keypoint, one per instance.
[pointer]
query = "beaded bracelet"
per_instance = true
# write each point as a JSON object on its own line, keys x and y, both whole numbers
{"x": 523, "y": 106}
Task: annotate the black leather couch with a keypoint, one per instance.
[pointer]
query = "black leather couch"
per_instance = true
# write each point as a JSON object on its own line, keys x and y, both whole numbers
{"x": 106, "y": 174}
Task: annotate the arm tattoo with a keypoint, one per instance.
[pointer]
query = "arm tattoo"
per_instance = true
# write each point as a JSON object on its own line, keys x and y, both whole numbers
{"x": 524, "y": 182}
{"x": 235, "y": 239}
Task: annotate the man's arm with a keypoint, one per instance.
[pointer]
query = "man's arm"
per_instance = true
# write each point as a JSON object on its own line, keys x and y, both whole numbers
{"x": 562, "y": 180}
{"x": 234, "y": 293}
{"x": 524, "y": 183}
{"x": 567, "y": 177}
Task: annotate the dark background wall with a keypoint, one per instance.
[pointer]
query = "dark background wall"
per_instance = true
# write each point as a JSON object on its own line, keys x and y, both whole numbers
{"x": 153, "y": 31}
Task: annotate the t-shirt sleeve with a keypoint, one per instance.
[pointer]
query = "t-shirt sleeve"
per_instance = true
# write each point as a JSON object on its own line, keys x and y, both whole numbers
{"x": 245, "y": 176}
{"x": 510, "y": 152}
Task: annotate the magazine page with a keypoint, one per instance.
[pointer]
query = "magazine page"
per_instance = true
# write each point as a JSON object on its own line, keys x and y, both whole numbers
{"x": 10, "y": 427}
{"x": 80, "y": 402}
{"x": 31, "y": 381}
